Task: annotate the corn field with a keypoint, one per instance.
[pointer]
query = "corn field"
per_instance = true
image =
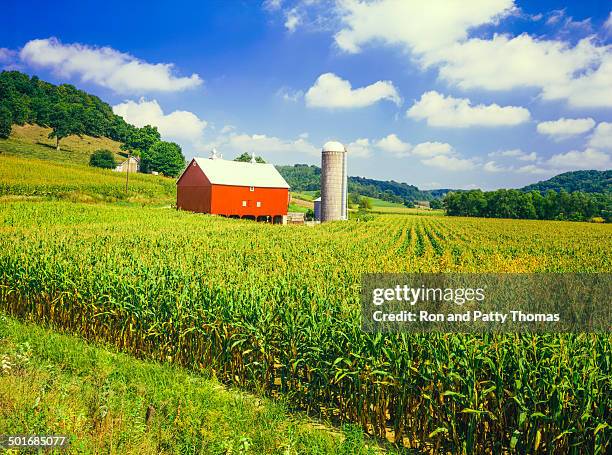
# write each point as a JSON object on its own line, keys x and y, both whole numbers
{"x": 276, "y": 310}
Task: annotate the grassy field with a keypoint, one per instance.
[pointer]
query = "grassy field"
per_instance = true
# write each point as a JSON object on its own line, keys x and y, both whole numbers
{"x": 31, "y": 141}
{"x": 276, "y": 310}
{"x": 108, "y": 402}
{"x": 24, "y": 177}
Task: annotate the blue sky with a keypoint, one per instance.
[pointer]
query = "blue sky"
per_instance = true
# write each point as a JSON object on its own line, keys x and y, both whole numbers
{"x": 480, "y": 93}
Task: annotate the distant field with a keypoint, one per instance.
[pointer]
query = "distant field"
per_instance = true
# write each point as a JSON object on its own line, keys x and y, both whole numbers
{"x": 31, "y": 141}
{"x": 305, "y": 195}
{"x": 379, "y": 203}
{"x": 29, "y": 176}
{"x": 112, "y": 403}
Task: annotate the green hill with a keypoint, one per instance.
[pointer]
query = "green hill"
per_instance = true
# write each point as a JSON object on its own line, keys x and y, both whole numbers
{"x": 29, "y": 100}
{"x": 303, "y": 177}
{"x": 32, "y": 141}
{"x": 585, "y": 181}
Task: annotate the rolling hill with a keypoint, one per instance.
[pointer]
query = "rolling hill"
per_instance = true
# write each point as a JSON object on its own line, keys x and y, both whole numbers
{"x": 303, "y": 177}
{"x": 585, "y": 181}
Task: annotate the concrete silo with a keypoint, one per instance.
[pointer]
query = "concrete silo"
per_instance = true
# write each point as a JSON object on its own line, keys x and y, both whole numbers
{"x": 333, "y": 182}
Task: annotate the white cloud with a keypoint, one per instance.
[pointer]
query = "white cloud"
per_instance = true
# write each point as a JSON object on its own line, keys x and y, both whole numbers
{"x": 290, "y": 95}
{"x": 330, "y": 91}
{"x": 429, "y": 149}
{"x": 607, "y": 26}
{"x": 602, "y": 136}
{"x": 359, "y": 148}
{"x": 292, "y": 20}
{"x": 587, "y": 159}
{"x": 592, "y": 89}
{"x": 421, "y": 26}
{"x": 393, "y": 144}
{"x": 450, "y": 163}
{"x": 436, "y": 33}
{"x": 515, "y": 153}
{"x": 272, "y": 5}
{"x": 104, "y": 66}
{"x": 183, "y": 127}
{"x": 565, "y": 127}
{"x": 492, "y": 166}
{"x": 6, "y": 55}
{"x": 446, "y": 111}
{"x": 264, "y": 145}
{"x": 534, "y": 169}
{"x": 228, "y": 129}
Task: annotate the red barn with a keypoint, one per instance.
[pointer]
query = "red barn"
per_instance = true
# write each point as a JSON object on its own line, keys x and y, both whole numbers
{"x": 233, "y": 188}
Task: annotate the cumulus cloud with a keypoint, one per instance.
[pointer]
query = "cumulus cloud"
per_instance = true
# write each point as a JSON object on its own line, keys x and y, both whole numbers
{"x": 602, "y": 136}
{"x": 565, "y": 127}
{"x": 292, "y": 20}
{"x": 105, "y": 66}
{"x": 587, "y": 159}
{"x": 272, "y": 5}
{"x": 435, "y": 154}
{"x": 264, "y": 145}
{"x": 6, "y": 55}
{"x": 534, "y": 169}
{"x": 394, "y": 145}
{"x": 331, "y": 91}
{"x": 515, "y": 153}
{"x": 607, "y": 26}
{"x": 290, "y": 95}
{"x": 183, "y": 127}
{"x": 424, "y": 27}
{"x": 492, "y": 166}
{"x": 436, "y": 34}
{"x": 446, "y": 111}
{"x": 359, "y": 148}
{"x": 450, "y": 163}
{"x": 429, "y": 149}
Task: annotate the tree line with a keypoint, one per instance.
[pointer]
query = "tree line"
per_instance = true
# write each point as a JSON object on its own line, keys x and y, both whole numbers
{"x": 69, "y": 111}
{"x": 552, "y": 205}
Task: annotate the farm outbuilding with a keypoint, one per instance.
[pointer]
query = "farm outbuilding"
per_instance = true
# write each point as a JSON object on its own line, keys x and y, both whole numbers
{"x": 234, "y": 189}
{"x": 132, "y": 164}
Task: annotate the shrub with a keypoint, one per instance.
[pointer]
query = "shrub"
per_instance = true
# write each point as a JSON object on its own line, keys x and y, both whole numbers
{"x": 103, "y": 158}
{"x": 6, "y": 119}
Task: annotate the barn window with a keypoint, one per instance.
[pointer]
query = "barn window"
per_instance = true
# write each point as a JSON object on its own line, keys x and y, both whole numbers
{"x": 258, "y": 204}
{"x": 244, "y": 204}
{"x": 251, "y": 188}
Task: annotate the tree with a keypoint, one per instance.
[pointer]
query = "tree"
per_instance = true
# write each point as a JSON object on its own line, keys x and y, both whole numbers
{"x": 245, "y": 157}
{"x": 164, "y": 157}
{"x": 6, "y": 120}
{"x": 436, "y": 204}
{"x": 103, "y": 158}
{"x": 140, "y": 140}
{"x": 365, "y": 203}
{"x": 354, "y": 198}
{"x": 66, "y": 120}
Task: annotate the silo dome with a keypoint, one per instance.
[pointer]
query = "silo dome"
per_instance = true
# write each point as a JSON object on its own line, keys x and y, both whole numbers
{"x": 333, "y": 146}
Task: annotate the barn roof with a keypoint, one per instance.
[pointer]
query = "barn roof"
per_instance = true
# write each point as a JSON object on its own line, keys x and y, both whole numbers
{"x": 239, "y": 173}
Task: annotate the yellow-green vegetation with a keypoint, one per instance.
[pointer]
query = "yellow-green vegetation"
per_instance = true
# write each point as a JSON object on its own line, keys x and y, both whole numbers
{"x": 23, "y": 176}
{"x": 304, "y": 195}
{"x": 108, "y": 402}
{"x": 32, "y": 141}
{"x": 276, "y": 309}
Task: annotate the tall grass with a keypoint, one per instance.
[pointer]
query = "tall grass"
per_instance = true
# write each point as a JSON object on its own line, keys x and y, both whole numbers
{"x": 21, "y": 176}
